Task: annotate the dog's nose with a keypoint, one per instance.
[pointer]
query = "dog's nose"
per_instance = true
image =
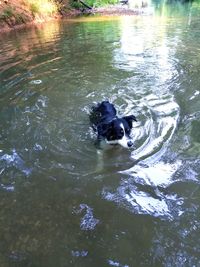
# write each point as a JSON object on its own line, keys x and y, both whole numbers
{"x": 129, "y": 143}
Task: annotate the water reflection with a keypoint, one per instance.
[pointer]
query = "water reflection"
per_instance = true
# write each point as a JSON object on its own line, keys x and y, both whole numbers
{"x": 146, "y": 94}
{"x": 63, "y": 202}
{"x": 138, "y": 48}
{"x": 21, "y": 57}
{"x": 164, "y": 8}
{"x": 88, "y": 222}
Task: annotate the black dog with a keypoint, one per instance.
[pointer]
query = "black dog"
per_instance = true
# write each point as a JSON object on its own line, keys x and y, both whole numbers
{"x": 110, "y": 128}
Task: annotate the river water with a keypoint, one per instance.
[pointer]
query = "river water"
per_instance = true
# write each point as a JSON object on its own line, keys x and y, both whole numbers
{"x": 65, "y": 203}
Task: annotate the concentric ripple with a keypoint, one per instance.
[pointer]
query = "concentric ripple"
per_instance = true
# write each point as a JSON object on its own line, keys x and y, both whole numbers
{"x": 161, "y": 120}
{"x": 139, "y": 189}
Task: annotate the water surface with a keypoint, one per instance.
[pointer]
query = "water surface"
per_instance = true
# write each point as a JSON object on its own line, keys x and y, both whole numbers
{"x": 63, "y": 202}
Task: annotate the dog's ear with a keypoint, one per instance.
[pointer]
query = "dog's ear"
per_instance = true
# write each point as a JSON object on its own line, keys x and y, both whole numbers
{"x": 130, "y": 119}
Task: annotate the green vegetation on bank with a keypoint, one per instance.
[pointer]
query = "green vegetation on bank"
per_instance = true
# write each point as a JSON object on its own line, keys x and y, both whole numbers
{"x": 14, "y": 12}
{"x": 98, "y": 3}
{"x": 42, "y": 7}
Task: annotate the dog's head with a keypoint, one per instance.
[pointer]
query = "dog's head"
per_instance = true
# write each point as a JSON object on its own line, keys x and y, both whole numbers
{"x": 118, "y": 131}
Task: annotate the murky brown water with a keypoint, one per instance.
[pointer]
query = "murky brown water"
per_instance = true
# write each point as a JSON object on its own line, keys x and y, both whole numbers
{"x": 63, "y": 203}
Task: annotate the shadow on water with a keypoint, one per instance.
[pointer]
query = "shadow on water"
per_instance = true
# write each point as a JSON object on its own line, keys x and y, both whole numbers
{"x": 63, "y": 202}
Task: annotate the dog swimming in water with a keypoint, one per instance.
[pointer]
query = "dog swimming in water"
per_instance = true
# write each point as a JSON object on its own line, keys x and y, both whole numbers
{"x": 110, "y": 128}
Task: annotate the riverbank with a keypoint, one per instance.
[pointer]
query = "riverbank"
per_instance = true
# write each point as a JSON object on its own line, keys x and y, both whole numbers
{"x": 16, "y": 14}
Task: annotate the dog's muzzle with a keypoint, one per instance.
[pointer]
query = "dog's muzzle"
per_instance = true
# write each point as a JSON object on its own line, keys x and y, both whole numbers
{"x": 122, "y": 142}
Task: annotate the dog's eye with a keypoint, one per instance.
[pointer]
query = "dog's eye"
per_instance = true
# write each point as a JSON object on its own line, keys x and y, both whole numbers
{"x": 128, "y": 131}
{"x": 121, "y": 131}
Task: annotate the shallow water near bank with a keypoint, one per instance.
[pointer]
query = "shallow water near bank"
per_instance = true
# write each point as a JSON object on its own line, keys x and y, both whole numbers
{"x": 63, "y": 202}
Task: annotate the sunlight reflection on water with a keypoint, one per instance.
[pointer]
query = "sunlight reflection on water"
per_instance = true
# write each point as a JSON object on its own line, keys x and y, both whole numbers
{"x": 79, "y": 204}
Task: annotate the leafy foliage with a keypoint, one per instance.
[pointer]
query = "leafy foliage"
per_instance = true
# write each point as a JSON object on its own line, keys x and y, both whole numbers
{"x": 11, "y": 16}
{"x": 7, "y": 13}
{"x": 42, "y": 7}
{"x": 98, "y": 3}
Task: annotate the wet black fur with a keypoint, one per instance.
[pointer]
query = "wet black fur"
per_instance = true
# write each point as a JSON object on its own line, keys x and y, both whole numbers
{"x": 107, "y": 124}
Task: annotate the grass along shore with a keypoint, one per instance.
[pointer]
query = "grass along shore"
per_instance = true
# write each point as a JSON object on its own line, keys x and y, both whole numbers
{"x": 14, "y": 13}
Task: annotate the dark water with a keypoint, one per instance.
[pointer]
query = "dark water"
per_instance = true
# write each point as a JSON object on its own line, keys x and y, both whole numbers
{"x": 63, "y": 203}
